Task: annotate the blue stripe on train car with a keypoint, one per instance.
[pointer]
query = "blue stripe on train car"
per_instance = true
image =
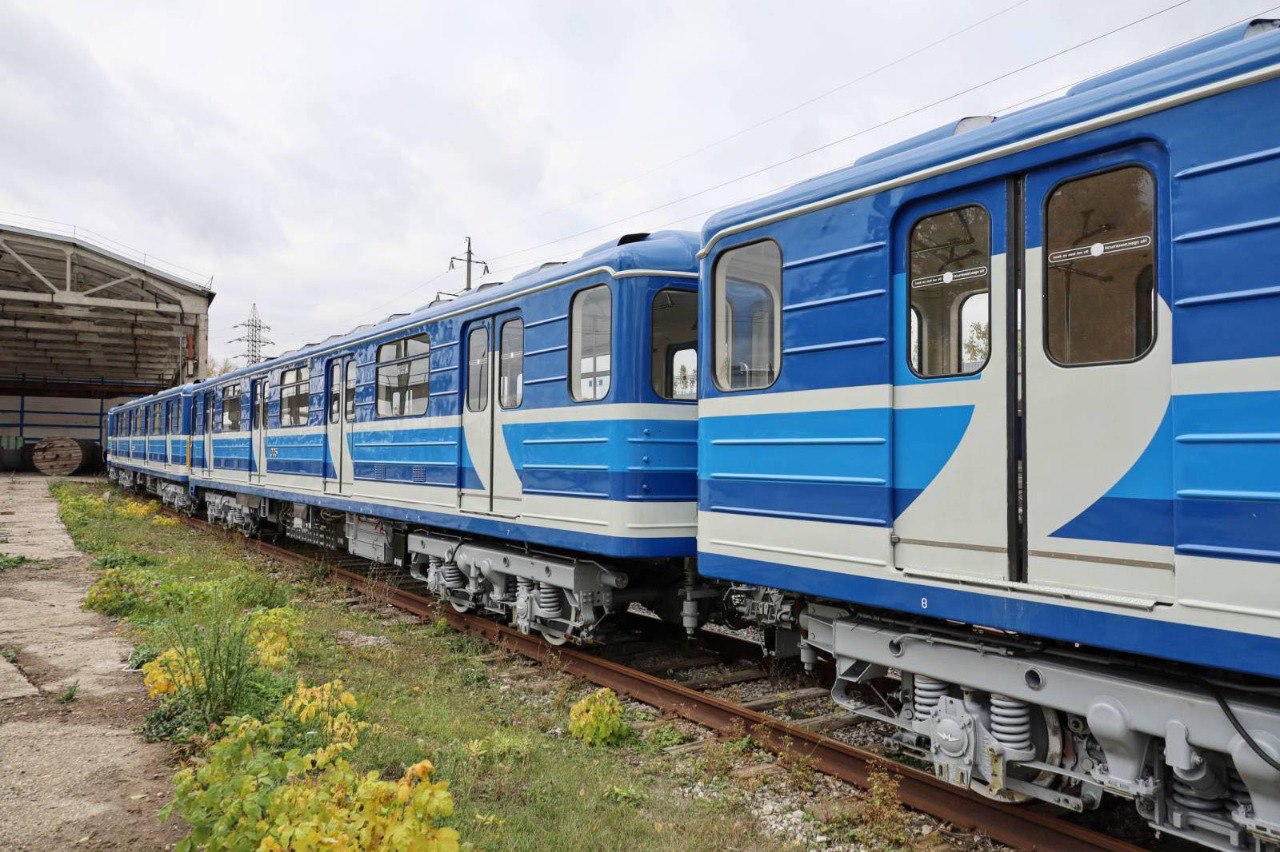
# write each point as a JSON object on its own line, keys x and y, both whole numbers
{"x": 829, "y": 466}
{"x": 1220, "y": 499}
{"x": 302, "y": 455}
{"x": 420, "y": 456}
{"x": 231, "y": 454}
{"x": 622, "y": 459}
{"x": 1228, "y": 649}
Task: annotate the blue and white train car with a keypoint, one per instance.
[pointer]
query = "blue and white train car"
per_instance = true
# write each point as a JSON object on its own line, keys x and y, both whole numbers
{"x": 526, "y": 448}
{"x": 998, "y": 409}
{"x": 147, "y": 443}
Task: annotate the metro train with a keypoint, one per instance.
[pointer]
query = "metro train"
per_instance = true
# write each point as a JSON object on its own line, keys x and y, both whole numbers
{"x": 989, "y": 418}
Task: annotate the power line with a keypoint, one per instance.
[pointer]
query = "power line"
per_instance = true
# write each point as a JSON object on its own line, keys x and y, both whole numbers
{"x": 843, "y": 139}
{"x": 765, "y": 121}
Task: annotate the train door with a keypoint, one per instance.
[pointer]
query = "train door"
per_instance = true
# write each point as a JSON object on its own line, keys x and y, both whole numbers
{"x": 494, "y": 349}
{"x": 477, "y": 419}
{"x": 339, "y": 414}
{"x": 208, "y": 433}
{"x": 951, "y": 415}
{"x": 258, "y": 429}
{"x": 1098, "y": 360}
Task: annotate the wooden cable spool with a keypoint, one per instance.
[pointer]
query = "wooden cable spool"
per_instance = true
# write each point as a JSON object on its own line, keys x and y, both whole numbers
{"x": 66, "y": 456}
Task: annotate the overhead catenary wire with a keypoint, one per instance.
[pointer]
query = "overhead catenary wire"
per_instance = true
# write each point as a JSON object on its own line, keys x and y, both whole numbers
{"x": 769, "y": 119}
{"x": 826, "y": 145}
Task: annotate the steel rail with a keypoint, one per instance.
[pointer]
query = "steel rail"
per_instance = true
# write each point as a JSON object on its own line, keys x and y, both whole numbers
{"x": 1020, "y": 827}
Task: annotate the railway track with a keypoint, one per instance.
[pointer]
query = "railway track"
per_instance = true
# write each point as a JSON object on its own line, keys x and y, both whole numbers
{"x": 1020, "y": 827}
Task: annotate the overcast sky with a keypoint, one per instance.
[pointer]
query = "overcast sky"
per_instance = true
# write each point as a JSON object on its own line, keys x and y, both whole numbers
{"x": 325, "y": 159}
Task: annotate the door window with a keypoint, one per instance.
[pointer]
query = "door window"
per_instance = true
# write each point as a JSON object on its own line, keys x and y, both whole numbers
{"x": 349, "y": 403}
{"x": 295, "y": 396}
{"x": 1100, "y": 280}
{"x": 673, "y": 344}
{"x": 511, "y": 364}
{"x": 335, "y": 391}
{"x": 478, "y": 369}
{"x": 949, "y": 293}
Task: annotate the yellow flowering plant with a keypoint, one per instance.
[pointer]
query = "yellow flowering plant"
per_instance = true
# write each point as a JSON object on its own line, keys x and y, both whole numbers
{"x": 274, "y": 634}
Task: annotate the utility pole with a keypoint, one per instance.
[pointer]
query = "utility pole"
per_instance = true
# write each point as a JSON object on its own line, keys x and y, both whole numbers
{"x": 253, "y": 338}
{"x": 468, "y": 261}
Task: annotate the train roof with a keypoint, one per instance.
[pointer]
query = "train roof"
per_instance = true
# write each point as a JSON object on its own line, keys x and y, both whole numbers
{"x": 1230, "y": 52}
{"x": 672, "y": 252}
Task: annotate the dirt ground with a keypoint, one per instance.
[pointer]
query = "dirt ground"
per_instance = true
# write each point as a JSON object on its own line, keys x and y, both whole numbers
{"x": 73, "y": 774}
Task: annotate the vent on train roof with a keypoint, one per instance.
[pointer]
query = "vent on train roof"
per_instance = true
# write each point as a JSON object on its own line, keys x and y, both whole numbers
{"x": 632, "y": 238}
{"x": 551, "y": 263}
{"x": 1253, "y": 29}
{"x": 955, "y": 128}
{"x": 488, "y": 285}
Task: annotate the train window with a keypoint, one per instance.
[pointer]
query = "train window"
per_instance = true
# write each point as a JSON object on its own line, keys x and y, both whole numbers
{"x": 295, "y": 396}
{"x": 590, "y": 343}
{"x": 511, "y": 364}
{"x": 335, "y": 391}
{"x": 404, "y": 372}
{"x": 673, "y": 344}
{"x": 747, "y": 333}
{"x": 263, "y": 396}
{"x": 478, "y": 369}
{"x": 175, "y": 416}
{"x": 157, "y": 419}
{"x": 949, "y": 287}
{"x": 1100, "y": 282}
{"x": 349, "y": 403}
{"x": 231, "y": 408}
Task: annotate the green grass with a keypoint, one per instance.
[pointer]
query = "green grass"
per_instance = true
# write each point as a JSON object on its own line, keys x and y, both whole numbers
{"x": 8, "y": 560}
{"x": 495, "y": 729}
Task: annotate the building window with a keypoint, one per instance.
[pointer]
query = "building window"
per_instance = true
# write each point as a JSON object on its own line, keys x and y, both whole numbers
{"x": 349, "y": 403}
{"x": 511, "y": 364}
{"x": 747, "y": 298}
{"x": 673, "y": 344}
{"x": 295, "y": 396}
{"x": 404, "y": 372}
{"x": 478, "y": 369}
{"x": 231, "y": 408}
{"x": 949, "y": 293}
{"x": 591, "y": 343}
{"x": 1100, "y": 282}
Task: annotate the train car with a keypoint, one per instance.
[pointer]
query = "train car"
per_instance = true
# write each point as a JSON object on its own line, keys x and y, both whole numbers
{"x": 147, "y": 444}
{"x": 526, "y": 449}
{"x": 995, "y": 410}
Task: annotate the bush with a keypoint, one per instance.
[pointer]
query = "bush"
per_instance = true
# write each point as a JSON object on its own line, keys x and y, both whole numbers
{"x": 597, "y": 719}
{"x": 120, "y": 592}
{"x": 257, "y": 790}
{"x": 274, "y": 634}
{"x": 212, "y": 664}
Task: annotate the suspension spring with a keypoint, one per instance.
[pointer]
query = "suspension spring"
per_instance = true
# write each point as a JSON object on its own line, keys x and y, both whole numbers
{"x": 549, "y": 602}
{"x": 453, "y": 576}
{"x": 509, "y": 589}
{"x": 1011, "y": 723}
{"x": 1186, "y": 796}
{"x": 927, "y": 692}
{"x": 524, "y": 584}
